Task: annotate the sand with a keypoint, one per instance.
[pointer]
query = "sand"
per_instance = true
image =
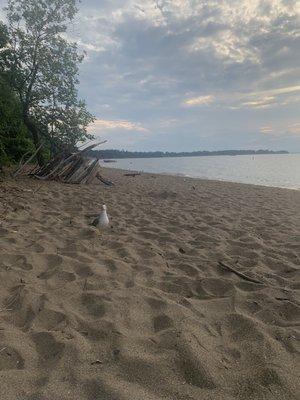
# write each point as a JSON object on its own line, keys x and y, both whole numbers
{"x": 143, "y": 310}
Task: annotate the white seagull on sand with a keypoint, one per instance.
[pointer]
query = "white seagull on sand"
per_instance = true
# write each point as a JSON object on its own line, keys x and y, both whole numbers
{"x": 103, "y": 217}
{"x": 102, "y": 221}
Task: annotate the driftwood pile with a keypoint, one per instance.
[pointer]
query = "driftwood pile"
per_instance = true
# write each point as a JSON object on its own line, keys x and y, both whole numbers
{"x": 68, "y": 167}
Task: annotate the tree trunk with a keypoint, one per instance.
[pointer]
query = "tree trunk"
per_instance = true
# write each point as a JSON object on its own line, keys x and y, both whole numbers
{"x": 36, "y": 139}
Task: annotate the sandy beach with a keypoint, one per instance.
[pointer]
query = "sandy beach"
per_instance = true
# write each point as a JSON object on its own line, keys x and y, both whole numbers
{"x": 144, "y": 310}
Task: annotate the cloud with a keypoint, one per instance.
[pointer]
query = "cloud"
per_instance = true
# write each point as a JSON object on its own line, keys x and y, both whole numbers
{"x": 118, "y": 133}
{"x": 280, "y": 90}
{"x": 227, "y": 46}
{"x": 292, "y": 129}
{"x": 266, "y": 129}
{"x": 89, "y": 46}
{"x": 257, "y": 100}
{"x": 199, "y": 101}
{"x": 271, "y": 98}
{"x": 101, "y": 125}
{"x": 260, "y": 103}
{"x": 196, "y": 74}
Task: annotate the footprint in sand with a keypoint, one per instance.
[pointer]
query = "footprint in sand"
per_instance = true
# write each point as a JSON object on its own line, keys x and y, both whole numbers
{"x": 156, "y": 304}
{"x": 10, "y": 358}
{"x": 48, "y": 348}
{"x": 15, "y": 261}
{"x": 50, "y": 319}
{"x": 193, "y": 370}
{"x": 24, "y": 305}
{"x": 94, "y": 305}
{"x": 50, "y": 264}
{"x": 161, "y": 323}
{"x": 83, "y": 270}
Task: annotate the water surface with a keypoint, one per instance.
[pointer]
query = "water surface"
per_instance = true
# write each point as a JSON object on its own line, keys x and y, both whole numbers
{"x": 280, "y": 170}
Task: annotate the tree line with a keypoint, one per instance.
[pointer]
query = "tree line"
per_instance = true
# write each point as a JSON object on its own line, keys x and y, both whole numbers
{"x": 39, "y": 69}
{"x": 115, "y": 154}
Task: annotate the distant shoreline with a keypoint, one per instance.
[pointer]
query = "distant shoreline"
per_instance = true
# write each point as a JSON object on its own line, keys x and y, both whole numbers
{"x": 122, "y": 154}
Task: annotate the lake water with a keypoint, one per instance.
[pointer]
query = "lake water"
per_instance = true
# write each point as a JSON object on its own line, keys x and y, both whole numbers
{"x": 280, "y": 170}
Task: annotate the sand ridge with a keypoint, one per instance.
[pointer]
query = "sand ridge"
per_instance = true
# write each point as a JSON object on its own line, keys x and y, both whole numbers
{"x": 143, "y": 310}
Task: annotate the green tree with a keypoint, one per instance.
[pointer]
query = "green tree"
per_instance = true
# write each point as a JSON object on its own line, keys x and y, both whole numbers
{"x": 43, "y": 69}
{"x": 13, "y": 133}
{"x": 14, "y": 141}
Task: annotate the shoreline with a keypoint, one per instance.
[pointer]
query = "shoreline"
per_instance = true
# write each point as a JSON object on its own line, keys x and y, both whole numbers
{"x": 145, "y": 309}
{"x": 195, "y": 178}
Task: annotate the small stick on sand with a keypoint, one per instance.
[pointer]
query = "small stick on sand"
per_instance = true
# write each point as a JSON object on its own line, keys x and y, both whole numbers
{"x": 240, "y": 274}
{"x": 37, "y": 189}
{"x": 85, "y": 284}
{"x": 133, "y": 175}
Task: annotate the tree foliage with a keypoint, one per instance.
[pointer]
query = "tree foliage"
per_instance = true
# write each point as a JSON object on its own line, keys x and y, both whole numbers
{"x": 42, "y": 68}
{"x": 14, "y": 141}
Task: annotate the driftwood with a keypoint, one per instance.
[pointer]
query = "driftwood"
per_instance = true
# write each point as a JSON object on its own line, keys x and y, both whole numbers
{"x": 21, "y": 161}
{"x": 72, "y": 168}
{"x": 133, "y": 174}
{"x": 240, "y": 274}
{"x": 21, "y": 166}
{"x": 103, "y": 180}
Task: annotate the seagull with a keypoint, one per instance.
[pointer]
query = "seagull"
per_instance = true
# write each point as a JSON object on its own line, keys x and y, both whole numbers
{"x": 102, "y": 221}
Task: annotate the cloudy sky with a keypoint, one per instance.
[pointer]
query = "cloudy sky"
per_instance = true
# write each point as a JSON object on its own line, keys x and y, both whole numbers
{"x": 192, "y": 74}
